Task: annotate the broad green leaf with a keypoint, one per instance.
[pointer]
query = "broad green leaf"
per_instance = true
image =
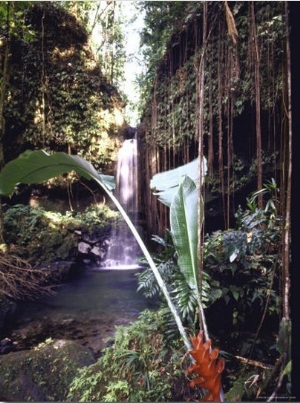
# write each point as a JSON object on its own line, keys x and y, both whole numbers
{"x": 215, "y": 294}
{"x": 165, "y": 184}
{"x": 234, "y": 255}
{"x": 39, "y": 166}
{"x": 288, "y": 368}
{"x": 108, "y": 181}
{"x": 237, "y": 292}
{"x": 184, "y": 229}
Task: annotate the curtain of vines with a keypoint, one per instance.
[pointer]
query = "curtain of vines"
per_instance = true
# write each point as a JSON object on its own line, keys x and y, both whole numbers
{"x": 242, "y": 107}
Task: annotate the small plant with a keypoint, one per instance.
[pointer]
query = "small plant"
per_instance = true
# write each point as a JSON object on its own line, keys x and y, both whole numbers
{"x": 270, "y": 193}
{"x": 139, "y": 366}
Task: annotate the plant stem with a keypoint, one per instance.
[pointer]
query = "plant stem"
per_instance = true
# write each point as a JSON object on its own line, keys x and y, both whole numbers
{"x": 152, "y": 266}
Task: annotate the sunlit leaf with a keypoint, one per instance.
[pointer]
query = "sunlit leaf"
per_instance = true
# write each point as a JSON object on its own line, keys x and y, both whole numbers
{"x": 233, "y": 255}
{"x": 39, "y": 166}
{"x": 165, "y": 184}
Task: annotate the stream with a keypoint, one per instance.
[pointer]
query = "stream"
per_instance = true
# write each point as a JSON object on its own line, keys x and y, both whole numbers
{"x": 86, "y": 310}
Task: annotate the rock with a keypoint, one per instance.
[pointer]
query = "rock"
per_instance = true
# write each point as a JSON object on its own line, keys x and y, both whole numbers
{"x": 84, "y": 247}
{"x": 88, "y": 332}
{"x": 43, "y": 373}
{"x": 6, "y": 346}
{"x": 7, "y": 310}
{"x": 92, "y": 249}
{"x": 99, "y": 252}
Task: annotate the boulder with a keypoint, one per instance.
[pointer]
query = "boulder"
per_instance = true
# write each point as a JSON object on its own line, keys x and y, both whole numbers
{"x": 43, "y": 373}
{"x": 84, "y": 248}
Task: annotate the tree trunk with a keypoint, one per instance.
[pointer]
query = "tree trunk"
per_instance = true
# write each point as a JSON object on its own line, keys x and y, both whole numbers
{"x": 201, "y": 74}
{"x": 288, "y": 186}
{"x": 257, "y": 106}
{"x": 2, "y": 102}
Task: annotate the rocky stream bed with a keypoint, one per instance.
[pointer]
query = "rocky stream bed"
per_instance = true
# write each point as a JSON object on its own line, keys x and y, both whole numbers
{"x": 46, "y": 341}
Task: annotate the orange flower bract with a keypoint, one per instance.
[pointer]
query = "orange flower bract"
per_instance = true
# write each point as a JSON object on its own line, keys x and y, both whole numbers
{"x": 208, "y": 367}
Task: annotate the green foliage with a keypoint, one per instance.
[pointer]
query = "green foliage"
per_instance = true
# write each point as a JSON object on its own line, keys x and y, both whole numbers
{"x": 270, "y": 194}
{"x": 105, "y": 24}
{"x": 161, "y": 22}
{"x": 12, "y": 19}
{"x": 96, "y": 216}
{"x": 229, "y": 95}
{"x": 246, "y": 385}
{"x": 244, "y": 264}
{"x": 42, "y": 236}
{"x": 64, "y": 102}
{"x": 241, "y": 174}
{"x": 139, "y": 366}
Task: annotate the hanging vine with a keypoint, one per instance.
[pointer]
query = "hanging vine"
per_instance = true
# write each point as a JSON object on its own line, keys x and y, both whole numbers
{"x": 242, "y": 82}
{"x": 255, "y": 55}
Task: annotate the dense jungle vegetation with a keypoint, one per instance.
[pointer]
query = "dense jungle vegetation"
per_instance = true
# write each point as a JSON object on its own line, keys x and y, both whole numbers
{"x": 216, "y": 88}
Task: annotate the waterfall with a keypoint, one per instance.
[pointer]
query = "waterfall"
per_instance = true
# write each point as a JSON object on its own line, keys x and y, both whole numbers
{"x": 123, "y": 249}
{"x": 127, "y": 178}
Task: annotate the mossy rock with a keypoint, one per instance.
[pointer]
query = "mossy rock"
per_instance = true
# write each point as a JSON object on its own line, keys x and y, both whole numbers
{"x": 42, "y": 374}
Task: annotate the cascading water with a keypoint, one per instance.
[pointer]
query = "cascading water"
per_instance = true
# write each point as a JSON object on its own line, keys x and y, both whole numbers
{"x": 127, "y": 178}
{"x": 123, "y": 250}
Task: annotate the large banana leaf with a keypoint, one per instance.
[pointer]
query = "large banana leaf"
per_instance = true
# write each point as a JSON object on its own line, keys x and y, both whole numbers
{"x": 178, "y": 189}
{"x": 165, "y": 184}
{"x": 184, "y": 223}
{"x": 38, "y": 166}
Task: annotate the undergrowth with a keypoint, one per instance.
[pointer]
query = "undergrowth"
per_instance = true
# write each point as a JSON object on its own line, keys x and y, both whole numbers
{"x": 139, "y": 366}
{"x": 44, "y": 236}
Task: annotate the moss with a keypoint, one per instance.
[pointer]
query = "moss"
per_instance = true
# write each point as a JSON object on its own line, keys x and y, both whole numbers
{"x": 139, "y": 366}
{"x": 42, "y": 374}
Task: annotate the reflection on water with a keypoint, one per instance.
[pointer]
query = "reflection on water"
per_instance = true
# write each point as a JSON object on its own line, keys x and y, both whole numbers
{"x": 95, "y": 295}
{"x": 85, "y": 310}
